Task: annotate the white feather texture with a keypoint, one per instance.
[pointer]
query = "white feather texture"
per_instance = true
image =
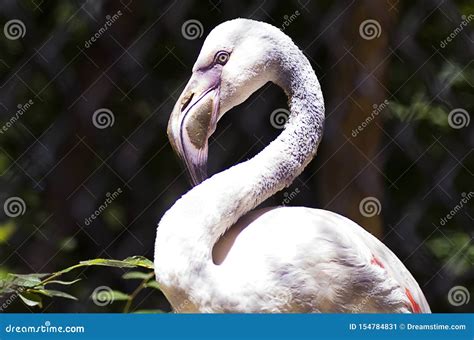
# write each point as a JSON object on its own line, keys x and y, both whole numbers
{"x": 213, "y": 253}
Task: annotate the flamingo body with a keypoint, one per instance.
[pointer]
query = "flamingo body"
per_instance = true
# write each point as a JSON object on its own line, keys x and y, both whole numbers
{"x": 330, "y": 265}
{"x": 213, "y": 251}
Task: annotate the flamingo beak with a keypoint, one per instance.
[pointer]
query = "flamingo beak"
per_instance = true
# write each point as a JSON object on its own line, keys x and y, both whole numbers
{"x": 193, "y": 120}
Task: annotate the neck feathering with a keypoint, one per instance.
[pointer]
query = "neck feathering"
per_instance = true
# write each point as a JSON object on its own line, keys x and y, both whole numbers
{"x": 191, "y": 227}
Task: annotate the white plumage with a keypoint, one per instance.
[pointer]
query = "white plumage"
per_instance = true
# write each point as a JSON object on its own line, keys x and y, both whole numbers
{"x": 213, "y": 252}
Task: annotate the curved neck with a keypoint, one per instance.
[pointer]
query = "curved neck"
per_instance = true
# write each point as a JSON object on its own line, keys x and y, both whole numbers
{"x": 189, "y": 230}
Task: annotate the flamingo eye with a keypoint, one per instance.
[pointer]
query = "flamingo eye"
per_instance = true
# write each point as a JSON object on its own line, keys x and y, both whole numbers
{"x": 221, "y": 57}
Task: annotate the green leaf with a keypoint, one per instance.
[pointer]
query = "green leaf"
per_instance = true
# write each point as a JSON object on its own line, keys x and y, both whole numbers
{"x": 52, "y": 293}
{"x": 64, "y": 283}
{"x": 109, "y": 295}
{"x": 140, "y": 261}
{"x": 6, "y": 282}
{"x": 31, "y": 299}
{"x": 6, "y": 290}
{"x": 107, "y": 263}
{"x": 119, "y": 296}
{"x": 37, "y": 275}
{"x": 26, "y": 280}
{"x": 152, "y": 284}
{"x": 136, "y": 275}
{"x": 3, "y": 273}
{"x": 129, "y": 262}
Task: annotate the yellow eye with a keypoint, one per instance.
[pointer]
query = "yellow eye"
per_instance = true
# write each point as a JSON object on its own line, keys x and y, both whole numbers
{"x": 222, "y": 57}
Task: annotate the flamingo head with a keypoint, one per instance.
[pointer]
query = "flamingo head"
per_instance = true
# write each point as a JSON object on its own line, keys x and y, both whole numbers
{"x": 236, "y": 59}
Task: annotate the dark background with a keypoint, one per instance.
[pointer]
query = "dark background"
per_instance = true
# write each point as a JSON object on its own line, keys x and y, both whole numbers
{"x": 409, "y": 157}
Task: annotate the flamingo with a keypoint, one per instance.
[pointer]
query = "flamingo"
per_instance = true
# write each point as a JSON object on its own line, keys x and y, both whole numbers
{"x": 214, "y": 253}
